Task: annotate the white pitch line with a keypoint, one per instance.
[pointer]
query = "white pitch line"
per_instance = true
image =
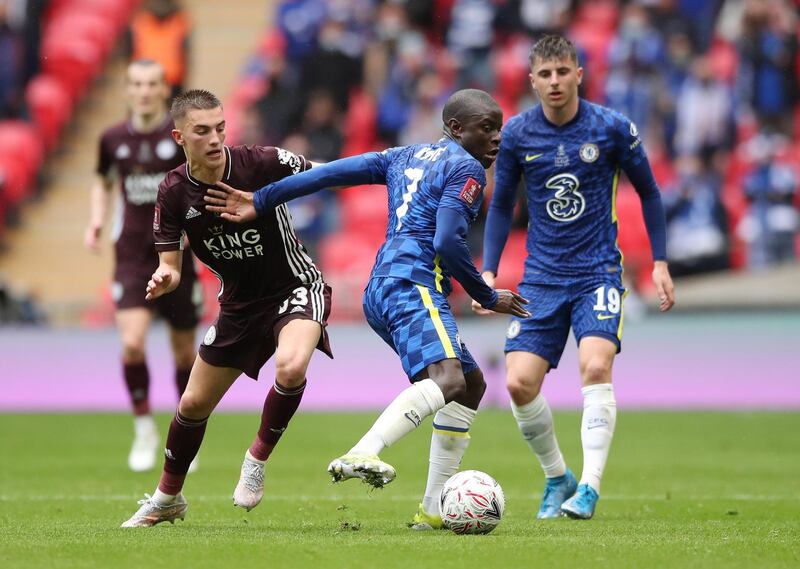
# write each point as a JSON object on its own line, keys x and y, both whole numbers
{"x": 378, "y": 496}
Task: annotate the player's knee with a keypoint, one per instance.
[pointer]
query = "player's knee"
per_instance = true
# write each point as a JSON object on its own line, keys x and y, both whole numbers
{"x": 132, "y": 353}
{"x": 475, "y": 385}
{"x": 184, "y": 358}
{"x": 521, "y": 389}
{"x": 290, "y": 370}
{"x": 193, "y": 406}
{"x": 596, "y": 370}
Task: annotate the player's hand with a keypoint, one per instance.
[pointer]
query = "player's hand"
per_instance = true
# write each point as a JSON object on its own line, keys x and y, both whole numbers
{"x": 158, "y": 284}
{"x": 509, "y": 302}
{"x": 91, "y": 238}
{"x": 231, "y": 204}
{"x": 488, "y": 278}
{"x": 664, "y": 287}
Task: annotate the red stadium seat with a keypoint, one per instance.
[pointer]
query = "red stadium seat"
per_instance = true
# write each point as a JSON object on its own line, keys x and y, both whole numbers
{"x": 98, "y": 29}
{"x": 50, "y": 106}
{"x": 364, "y": 211}
{"x": 21, "y": 145}
{"x": 73, "y": 60}
{"x": 359, "y": 129}
{"x": 347, "y": 251}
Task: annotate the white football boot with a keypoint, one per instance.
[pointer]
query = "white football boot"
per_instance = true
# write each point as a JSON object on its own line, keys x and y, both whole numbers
{"x": 368, "y": 467}
{"x": 151, "y": 512}
{"x": 250, "y": 489}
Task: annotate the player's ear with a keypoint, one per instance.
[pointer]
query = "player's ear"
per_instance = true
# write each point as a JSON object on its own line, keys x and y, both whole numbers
{"x": 579, "y": 74}
{"x": 177, "y": 136}
{"x": 455, "y": 127}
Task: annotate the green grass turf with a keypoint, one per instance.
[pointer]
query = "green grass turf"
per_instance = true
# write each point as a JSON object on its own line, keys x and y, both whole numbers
{"x": 681, "y": 490}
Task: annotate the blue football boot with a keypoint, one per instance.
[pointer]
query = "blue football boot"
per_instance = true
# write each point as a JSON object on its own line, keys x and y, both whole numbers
{"x": 581, "y": 505}
{"x": 556, "y": 491}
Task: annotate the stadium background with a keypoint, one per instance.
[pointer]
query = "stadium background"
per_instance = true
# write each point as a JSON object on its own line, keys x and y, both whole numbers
{"x": 712, "y": 85}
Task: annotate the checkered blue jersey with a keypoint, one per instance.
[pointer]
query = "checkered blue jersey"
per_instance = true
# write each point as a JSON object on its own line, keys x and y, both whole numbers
{"x": 420, "y": 179}
{"x": 571, "y": 174}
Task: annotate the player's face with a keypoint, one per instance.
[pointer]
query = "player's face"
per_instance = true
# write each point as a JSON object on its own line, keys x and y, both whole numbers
{"x": 556, "y": 81}
{"x": 480, "y": 135}
{"x": 202, "y": 135}
{"x": 146, "y": 89}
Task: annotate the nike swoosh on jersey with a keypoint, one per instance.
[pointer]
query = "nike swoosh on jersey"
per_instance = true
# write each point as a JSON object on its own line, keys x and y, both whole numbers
{"x": 606, "y": 316}
{"x": 531, "y": 157}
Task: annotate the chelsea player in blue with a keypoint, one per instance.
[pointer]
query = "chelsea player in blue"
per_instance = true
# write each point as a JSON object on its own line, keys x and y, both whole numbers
{"x": 435, "y": 191}
{"x": 569, "y": 152}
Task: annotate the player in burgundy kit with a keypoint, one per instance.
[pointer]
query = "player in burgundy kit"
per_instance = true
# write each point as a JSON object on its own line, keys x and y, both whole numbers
{"x": 136, "y": 154}
{"x": 272, "y": 298}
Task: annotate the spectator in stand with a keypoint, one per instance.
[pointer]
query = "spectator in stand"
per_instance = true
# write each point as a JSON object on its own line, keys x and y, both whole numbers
{"x": 336, "y": 64}
{"x": 423, "y": 124}
{"x": 10, "y": 69}
{"x": 470, "y": 39}
{"x": 396, "y": 100}
{"x": 771, "y": 226}
{"x": 161, "y": 32}
{"x": 280, "y": 108}
{"x": 321, "y": 127}
{"x": 635, "y": 58}
{"x": 299, "y": 22}
{"x": 697, "y": 224}
{"x": 768, "y": 51}
{"x": 704, "y": 113}
{"x": 678, "y": 61}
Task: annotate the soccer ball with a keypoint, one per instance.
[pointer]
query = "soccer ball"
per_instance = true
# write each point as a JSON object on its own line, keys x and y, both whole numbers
{"x": 471, "y": 502}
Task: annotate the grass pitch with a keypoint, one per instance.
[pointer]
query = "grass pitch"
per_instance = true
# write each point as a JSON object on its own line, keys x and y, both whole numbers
{"x": 681, "y": 490}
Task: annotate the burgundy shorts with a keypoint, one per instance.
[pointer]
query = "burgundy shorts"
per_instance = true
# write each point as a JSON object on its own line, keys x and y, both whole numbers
{"x": 245, "y": 339}
{"x": 181, "y": 308}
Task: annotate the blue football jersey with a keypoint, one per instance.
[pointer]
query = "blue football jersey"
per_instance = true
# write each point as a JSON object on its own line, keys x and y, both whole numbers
{"x": 571, "y": 174}
{"x": 420, "y": 179}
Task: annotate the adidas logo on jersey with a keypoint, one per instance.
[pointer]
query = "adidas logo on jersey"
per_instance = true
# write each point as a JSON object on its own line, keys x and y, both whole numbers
{"x": 192, "y": 213}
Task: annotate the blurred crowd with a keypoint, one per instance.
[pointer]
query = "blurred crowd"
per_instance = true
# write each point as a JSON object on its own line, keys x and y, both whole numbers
{"x": 711, "y": 84}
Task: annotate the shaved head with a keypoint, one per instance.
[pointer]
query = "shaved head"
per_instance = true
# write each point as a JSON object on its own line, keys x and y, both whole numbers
{"x": 468, "y": 102}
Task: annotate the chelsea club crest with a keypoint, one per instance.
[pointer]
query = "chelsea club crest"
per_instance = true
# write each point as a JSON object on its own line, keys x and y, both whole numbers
{"x": 589, "y": 152}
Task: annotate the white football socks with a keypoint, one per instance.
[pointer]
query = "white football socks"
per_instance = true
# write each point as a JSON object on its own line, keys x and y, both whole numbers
{"x": 449, "y": 442}
{"x": 597, "y": 430}
{"x": 163, "y": 499}
{"x": 402, "y": 416}
{"x": 535, "y": 421}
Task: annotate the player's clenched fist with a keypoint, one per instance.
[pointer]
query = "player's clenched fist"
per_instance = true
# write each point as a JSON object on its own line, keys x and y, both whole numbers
{"x": 509, "y": 302}
{"x": 158, "y": 284}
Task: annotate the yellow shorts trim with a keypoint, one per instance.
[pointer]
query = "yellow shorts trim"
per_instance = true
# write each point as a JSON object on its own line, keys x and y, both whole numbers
{"x": 437, "y": 321}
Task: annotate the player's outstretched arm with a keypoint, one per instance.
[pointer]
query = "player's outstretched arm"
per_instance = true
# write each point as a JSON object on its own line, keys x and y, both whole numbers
{"x": 369, "y": 168}
{"x": 231, "y": 204}
{"x": 167, "y": 276}
{"x": 664, "y": 287}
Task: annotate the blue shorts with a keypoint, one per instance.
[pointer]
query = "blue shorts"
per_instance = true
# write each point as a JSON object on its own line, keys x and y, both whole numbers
{"x": 416, "y": 322}
{"x": 592, "y": 306}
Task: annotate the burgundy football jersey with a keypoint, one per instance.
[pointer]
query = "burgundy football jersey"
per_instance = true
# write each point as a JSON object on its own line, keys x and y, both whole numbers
{"x": 140, "y": 161}
{"x": 253, "y": 261}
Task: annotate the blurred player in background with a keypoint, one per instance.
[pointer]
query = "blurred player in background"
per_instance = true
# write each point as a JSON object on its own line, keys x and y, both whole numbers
{"x": 435, "y": 191}
{"x": 136, "y": 154}
{"x": 569, "y": 153}
{"x": 272, "y": 298}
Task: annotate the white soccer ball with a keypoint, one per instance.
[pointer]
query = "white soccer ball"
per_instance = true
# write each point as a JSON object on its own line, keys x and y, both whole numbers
{"x": 472, "y": 502}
